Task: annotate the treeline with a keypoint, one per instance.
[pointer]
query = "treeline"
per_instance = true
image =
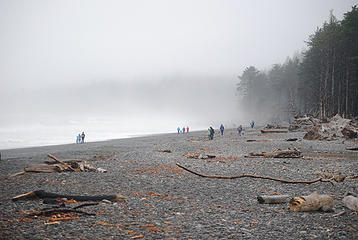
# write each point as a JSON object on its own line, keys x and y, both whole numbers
{"x": 321, "y": 81}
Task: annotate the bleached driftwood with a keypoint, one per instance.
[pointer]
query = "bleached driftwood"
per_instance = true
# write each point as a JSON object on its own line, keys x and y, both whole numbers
{"x": 351, "y": 202}
{"x": 312, "y": 202}
{"x": 272, "y": 199}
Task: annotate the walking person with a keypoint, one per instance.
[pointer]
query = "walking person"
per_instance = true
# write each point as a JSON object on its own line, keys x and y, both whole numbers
{"x": 187, "y": 129}
{"x": 212, "y": 132}
{"x": 78, "y": 140}
{"x": 178, "y": 129}
{"x": 252, "y": 124}
{"x": 183, "y": 129}
{"x": 222, "y": 129}
{"x": 239, "y": 130}
{"x": 83, "y": 137}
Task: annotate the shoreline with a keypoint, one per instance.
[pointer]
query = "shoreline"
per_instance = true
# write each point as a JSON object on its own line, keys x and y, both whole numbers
{"x": 139, "y": 135}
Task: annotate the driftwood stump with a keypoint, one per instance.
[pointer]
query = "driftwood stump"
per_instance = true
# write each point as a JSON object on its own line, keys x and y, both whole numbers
{"x": 312, "y": 202}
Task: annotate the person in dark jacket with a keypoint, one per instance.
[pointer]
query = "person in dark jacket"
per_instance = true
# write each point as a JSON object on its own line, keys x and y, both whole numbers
{"x": 212, "y": 132}
{"x": 83, "y": 137}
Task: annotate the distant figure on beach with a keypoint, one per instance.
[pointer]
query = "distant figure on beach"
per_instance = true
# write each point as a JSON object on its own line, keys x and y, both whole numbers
{"x": 178, "y": 130}
{"x": 252, "y": 123}
{"x": 222, "y": 129}
{"x": 78, "y": 139}
{"x": 183, "y": 129}
{"x": 211, "y": 133}
{"x": 239, "y": 130}
{"x": 187, "y": 129}
{"x": 83, "y": 137}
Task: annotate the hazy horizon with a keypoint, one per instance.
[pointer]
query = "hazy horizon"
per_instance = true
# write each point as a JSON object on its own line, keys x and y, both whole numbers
{"x": 167, "y": 62}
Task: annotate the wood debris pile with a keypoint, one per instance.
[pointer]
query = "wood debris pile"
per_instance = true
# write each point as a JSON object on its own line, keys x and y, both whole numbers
{"x": 333, "y": 176}
{"x": 288, "y": 153}
{"x": 331, "y": 129}
{"x": 304, "y": 123}
{"x": 59, "y": 166}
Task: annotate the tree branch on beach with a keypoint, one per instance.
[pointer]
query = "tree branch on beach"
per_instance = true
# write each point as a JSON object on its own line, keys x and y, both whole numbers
{"x": 320, "y": 179}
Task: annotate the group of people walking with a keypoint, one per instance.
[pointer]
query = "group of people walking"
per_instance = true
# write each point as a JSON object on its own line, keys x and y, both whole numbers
{"x": 183, "y": 130}
{"x": 211, "y": 131}
{"x": 80, "y": 138}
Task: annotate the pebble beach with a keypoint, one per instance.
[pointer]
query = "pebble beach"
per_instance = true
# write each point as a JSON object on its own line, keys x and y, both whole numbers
{"x": 164, "y": 201}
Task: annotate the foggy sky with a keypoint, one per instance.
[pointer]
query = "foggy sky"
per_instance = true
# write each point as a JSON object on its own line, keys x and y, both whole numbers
{"x": 141, "y": 58}
{"x": 69, "y": 42}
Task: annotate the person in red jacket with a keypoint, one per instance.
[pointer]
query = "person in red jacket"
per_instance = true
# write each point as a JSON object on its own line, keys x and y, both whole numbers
{"x": 187, "y": 129}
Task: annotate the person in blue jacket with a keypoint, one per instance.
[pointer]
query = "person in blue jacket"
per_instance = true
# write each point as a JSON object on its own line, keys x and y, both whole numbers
{"x": 178, "y": 129}
{"x": 222, "y": 129}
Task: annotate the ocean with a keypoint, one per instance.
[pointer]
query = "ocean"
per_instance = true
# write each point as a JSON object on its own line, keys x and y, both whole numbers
{"x": 48, "y": 130}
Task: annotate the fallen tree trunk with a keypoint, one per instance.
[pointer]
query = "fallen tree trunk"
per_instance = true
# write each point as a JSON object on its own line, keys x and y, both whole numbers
{"x": 40, "y": 194}
{"x": 254, "y": 176}
{"x": 312, "y": 202}
{"x": 351, "y": 202}
{"x": 272, "y": 199}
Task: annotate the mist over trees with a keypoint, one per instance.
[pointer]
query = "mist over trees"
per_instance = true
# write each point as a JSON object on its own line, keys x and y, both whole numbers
{"x": 321, "y": 81}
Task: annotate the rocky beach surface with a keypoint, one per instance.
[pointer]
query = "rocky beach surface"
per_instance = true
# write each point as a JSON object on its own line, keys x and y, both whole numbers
{"x": 164, "y": 201}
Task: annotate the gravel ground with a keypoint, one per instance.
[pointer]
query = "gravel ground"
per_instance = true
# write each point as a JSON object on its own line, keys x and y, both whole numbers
{"x": 165, "y": 202}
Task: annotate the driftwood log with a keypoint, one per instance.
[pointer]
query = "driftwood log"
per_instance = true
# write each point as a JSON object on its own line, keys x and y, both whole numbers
{"x": 288, "y": 153}
{"x": 273, "y": 131}
{"x": 40, "y": 194}
{"x": 351, "y": 202}
{"x": 255, "y": 176}
{"x": 291, "y": 139}
{"x": 272, "y": 199}
{"x": 312, "y": 202}
{"x": 353, "y": 149}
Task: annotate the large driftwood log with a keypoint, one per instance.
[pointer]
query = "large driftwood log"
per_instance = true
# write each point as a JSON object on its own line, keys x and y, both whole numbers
{"x": 312, "y": 202}
{"x": 272, "y": 199}
{"x": 40, "y": 194}
{"x": 254, "y": 176}
{"x": 351, "y": 202}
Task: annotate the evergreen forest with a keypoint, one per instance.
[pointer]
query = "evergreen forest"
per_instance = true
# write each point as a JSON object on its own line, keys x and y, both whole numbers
{"x": 320, "y": 81}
